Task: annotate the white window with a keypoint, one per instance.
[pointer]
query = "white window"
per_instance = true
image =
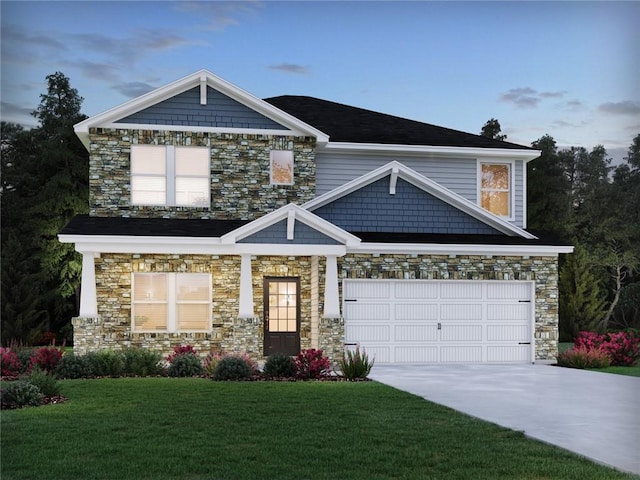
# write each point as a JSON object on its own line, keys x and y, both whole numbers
{"x": 171, "y": 302}
{"x": 281, "y": 167}
{"x": 168, "y": 175}
{"x": 496, "y": 188}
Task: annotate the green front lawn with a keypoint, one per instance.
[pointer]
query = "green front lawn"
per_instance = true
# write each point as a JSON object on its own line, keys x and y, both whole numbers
{"x": 633, "y": 371}
{"x": 164, "y": 428}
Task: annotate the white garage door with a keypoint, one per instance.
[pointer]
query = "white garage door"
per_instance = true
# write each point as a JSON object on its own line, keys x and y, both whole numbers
{"x": 440, "y": 321}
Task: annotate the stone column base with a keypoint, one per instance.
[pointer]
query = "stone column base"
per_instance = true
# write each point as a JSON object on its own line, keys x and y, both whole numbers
{"x": 88, "y": 334}
{"x": 331, "y": 337}
{"x": 246, "y": 336}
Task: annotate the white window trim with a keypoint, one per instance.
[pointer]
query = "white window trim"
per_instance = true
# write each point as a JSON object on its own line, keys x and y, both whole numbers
{"x": 293, "y": 166}
{"x": 170, "y": 179}
{"x": 512, "y": 177}
{"x": 171, "y": 302}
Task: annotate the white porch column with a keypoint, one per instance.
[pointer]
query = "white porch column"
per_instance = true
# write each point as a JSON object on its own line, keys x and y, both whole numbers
{"x": 246, "y": 288}
{"x": 88, "y": 294}
{"x": 331, "y": 297}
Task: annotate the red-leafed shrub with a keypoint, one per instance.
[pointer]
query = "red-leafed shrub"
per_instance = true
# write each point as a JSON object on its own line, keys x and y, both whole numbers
{"x": 181, "y": 350}
{"x": 588, "y": 340}
{"x": 9, "y": 363}
{"x": 312, "y": 363}
{"x": 46, "y": 358}
{"x": 582, "y": 357}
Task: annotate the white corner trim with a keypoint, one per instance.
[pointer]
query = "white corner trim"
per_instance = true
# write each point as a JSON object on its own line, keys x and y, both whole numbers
{"x": 158, "y": 95}
{"x": 393, "y": 180}
{"x": 428, "y": 186}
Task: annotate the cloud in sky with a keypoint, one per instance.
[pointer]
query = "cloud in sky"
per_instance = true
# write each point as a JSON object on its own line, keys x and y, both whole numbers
{"x": 217, "y": 16}
{"x": 291, "y": 68}
{"x": 95, "y": 70}
{"x": 133, "y": 89}
{"x": 626, "y": 107}
{"x": 527, "y": 97}
{"x": 16, "y": 41}
{"x": 14, "y": 109}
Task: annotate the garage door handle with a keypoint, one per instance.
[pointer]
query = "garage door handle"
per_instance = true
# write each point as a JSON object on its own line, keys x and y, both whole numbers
{"x": 350, "y": 300}
{"x": 524, "y": 301}
{"x": 524, "y": 343}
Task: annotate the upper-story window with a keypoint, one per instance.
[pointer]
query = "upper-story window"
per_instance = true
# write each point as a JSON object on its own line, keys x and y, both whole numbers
{"x": 281, "y": 167}
{"x": 496, "y": 188}
{"x": 169, "y": 175}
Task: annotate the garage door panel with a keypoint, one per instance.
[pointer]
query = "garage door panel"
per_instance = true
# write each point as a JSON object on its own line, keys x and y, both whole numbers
{"x": 416, "y": 333}
{"x": 420, "y": 290}
{"x": 462, "y": 311}
{"x": 367, "y": 311}
{"x": 508, "y": 290}
{"x": 461, "y": 333}
{"x": 461, "y": 354}
{"x": 417, "y": 354}
{"x": 461, "y": 290}
{"x": 368, "y": 333}
{"x": 508, "y": 354}
{"x": 416, "y": 311}
{"x": 514, "y": 311}
{"x": 378, "y": 290}
{"x": 381, "y": 354}
{"x": 503, "y": 333}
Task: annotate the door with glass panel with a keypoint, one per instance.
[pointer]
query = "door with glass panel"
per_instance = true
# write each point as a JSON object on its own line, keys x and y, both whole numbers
{"x": 281, "y": 315}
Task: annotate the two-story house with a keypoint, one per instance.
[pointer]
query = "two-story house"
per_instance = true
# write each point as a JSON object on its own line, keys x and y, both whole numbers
{"x": 232, "y": 223}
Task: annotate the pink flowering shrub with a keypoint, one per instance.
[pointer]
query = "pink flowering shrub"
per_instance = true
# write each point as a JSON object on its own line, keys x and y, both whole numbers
{"x": 9, "y": 363}
{"x": 582, "y": 357}
{"x": 46, "y": 358}
{"x": 623, "y": 348}
{"x": 312, "y": 363}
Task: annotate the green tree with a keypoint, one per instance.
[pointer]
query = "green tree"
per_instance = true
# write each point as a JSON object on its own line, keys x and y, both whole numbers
{"x": 582, "y": 304}
{"x": 492, "y": 129}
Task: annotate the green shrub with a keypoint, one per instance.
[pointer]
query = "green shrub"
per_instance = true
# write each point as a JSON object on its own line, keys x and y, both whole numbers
{"x": 584, "y": 358}
{"x": 74, "y": 366}
{"x": 185, "y": 365}
{"x": 106, "y": 363}
{"x": 47, "y": 384}
{"x": 20, "y": 393}
{"x": 355, "y": 364}
{"x": 24, "y": 355}
{"x": 232, "y": 368}
{"x": 279, "y": 365}
{"x": 141, "y": 362}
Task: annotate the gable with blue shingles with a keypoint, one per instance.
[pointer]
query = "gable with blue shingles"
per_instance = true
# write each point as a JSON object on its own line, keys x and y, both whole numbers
{"x": 411, "y": 210}
{"x": 185, "y": 109}
{"x": 303, "y": 234}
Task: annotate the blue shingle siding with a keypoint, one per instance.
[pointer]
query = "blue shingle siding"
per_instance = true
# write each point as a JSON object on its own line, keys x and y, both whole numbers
{"x": 302, "y": 233}
{"x": 410, "y": 210}
{"x": 185, "y": 109}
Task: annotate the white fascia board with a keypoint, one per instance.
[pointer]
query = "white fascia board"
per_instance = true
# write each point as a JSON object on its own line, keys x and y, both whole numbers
{"x": 458, "y": 249}
{"x": 300, "y": 214}
{"x": 428, "y": 186}
{"x": 158, "y": 95}
{"x": 191, "y": 246}
{"x": 429, "y": 150}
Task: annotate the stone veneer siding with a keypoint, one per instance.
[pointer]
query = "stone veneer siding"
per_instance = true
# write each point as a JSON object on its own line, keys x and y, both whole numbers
{"x": 112, "y": 329}
{"x": 240, "y": 166}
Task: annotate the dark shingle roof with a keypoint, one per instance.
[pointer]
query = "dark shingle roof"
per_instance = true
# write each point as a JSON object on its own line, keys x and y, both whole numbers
{"x": 155, "y": 227}
{"x": 344, "y": 123}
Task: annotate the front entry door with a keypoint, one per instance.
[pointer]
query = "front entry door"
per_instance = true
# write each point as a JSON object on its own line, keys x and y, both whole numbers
{"x": 281, "y": 315}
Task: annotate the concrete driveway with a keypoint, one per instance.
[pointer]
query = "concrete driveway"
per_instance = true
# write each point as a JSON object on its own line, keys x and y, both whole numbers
{"x": 596, "y": 415}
